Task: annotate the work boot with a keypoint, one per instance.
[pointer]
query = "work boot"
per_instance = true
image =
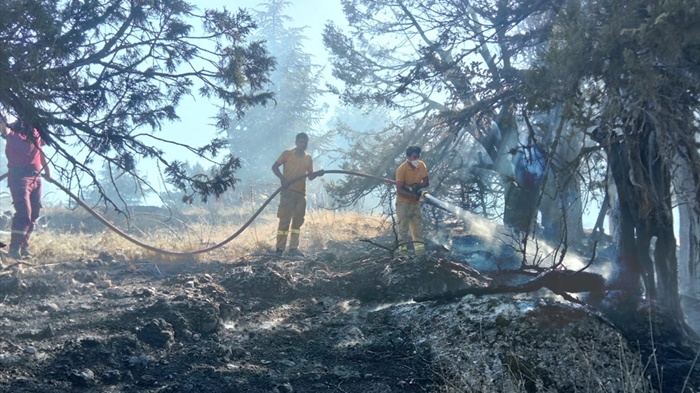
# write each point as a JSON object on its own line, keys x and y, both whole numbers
{"x": 14, "y": 253}
{"x": 295, "y": 252}
{"x": 279, "y": 252}
{"x": 24, "y": 252}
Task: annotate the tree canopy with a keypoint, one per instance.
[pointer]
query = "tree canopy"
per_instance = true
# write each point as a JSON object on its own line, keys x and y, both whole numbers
{"x": 99, "y": 79}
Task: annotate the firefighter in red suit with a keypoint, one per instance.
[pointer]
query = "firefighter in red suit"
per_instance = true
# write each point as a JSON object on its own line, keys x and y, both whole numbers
{"x": 25, "y": 162}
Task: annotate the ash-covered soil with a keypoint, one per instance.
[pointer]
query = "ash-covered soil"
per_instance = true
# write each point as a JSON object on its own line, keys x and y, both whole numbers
{"x": 261, "y": 324}
{"x": 330, "y": 322}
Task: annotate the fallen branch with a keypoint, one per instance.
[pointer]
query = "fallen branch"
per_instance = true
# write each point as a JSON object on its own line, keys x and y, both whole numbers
{"x": 560, "y": 282}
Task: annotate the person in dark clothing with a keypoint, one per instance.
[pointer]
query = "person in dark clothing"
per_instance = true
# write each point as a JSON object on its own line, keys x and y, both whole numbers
{"x": 25, "y": 162}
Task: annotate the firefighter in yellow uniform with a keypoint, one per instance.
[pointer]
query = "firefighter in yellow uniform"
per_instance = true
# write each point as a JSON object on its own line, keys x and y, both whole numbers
{"x": 295, "y": 162}
{"x": 411, "y": 176}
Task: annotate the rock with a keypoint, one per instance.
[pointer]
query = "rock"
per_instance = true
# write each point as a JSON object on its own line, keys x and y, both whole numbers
{"x": 106, "y": 257}
{"x": 286, "y": 362}
{"x": 9, "y": 284}
{"x": 82, "y": 378}
{"x": 104, "y": 284}
{"x": 206, "y": 320}
{"x": 238, "y": 352}
{"x": 148, "y": 381}
{"x": 186, "y": 334}
{"x": 48, "y": 307}
{"x": 42, "y": 334}
{"x": 138, "y": 361}
{"x": 111, "y": 377}
{"x": 144, "y": 292}
{"x": 9, "y": 359}
{"x": 157, "y": 333}
{"x": 90, "y": 342}
{"x": 229, "y": 312}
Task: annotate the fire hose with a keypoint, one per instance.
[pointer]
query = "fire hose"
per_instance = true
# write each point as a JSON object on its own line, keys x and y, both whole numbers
{"x": 126, "y": 236}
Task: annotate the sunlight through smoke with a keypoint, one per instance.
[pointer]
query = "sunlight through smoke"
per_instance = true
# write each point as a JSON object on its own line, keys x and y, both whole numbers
{"x": 476, "y": 224}
{"x": 538, "y": 251}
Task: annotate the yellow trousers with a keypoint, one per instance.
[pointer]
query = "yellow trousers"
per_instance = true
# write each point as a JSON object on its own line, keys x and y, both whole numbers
{"x": 408, "y": 217}
{"x": 291, "y": 210}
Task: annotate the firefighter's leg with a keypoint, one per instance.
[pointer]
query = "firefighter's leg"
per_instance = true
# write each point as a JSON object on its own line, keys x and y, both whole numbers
{"x": 285, "y": 215}
{"x": 21, "y": 220}
{"x": 298, "y": 215}
{"x": 35, "y": 209}
{"x": 402, "y": 223}
{"x": 416, "y": 226}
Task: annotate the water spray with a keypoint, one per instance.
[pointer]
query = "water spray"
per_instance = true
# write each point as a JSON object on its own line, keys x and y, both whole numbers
{"x": 456, "y": 210}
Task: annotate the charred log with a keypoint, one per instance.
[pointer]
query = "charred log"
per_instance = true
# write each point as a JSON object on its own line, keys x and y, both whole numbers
{"x": 557, "y": 281}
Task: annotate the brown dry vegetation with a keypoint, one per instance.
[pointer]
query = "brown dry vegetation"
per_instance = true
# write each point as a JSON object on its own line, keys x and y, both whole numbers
{"x": 71, "y": 235}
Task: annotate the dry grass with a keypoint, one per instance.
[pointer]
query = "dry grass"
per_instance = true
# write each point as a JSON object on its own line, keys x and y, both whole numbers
{"x": 200, "y": 230}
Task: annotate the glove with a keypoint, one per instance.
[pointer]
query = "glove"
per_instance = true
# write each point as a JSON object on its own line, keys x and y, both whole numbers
{"x": 414, "y": 188}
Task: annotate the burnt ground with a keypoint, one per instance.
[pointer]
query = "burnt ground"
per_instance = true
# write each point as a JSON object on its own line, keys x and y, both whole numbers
{"x": 324, "y": 323}
{"x": 261, "y": 324}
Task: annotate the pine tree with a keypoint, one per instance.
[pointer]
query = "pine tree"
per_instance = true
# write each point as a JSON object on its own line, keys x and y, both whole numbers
{"x": 261, "y": 136}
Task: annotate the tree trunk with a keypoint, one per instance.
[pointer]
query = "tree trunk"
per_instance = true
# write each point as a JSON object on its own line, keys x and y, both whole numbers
{"x": 686, "y": 185}
{"x": 643, "y": 181}
{"x": 628, "y": 275}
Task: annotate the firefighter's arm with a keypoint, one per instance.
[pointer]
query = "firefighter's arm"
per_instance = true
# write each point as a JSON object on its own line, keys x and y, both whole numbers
{"x": 425, "y": 182}
{"x": 403, "y": 190}
{"x": 276, "y": 171}
{"x": 312, "y": 174}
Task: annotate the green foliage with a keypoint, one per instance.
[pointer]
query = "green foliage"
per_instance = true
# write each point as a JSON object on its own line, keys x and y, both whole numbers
{"x": 103, "y": 76}
{"x": 295, "y": 84}
{"x": 610, "y": 57}
{"x": 198, "y": 177}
